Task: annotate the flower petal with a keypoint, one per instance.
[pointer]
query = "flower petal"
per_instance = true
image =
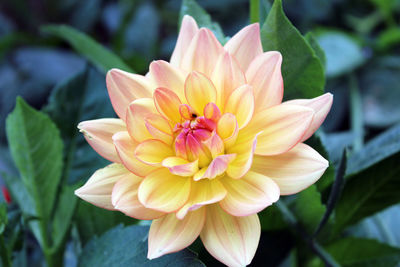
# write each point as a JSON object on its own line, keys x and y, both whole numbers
{"x": 264, "y": 75}
{"x": 203, "y": 192}
{"x": 228, "y": 129}
{"x": 97, "y": 190}
{"x": 202, "y": 52}
{"x": 167, "y": 76}
{"x": 168, "y": 234}
{"x": 217, "y": 167}
{"x": 98, "y": 133}
{"x": 126, "y": 146}
{"x": 199, "y": 91}
{"x": 167, "y": 103}
{"x": 124, "y": 87}
{"x": 241, "y": 104}
{"x": 125, "y": 198}
{"x": 294, "y": 170}
{"x": 249, "y": 195}
{"x": 231, "y": 240}
{"x": 215, "y": 145}
{"x": 180, "y": 166}
{"x": 163, "y": 191}
{"x": 186, "y": 33}
{"x": 135, "y": 118}
{"x": 281, "y": 128}
{"x": 153, "y": 152}
{"x": 159, "y": 128}
{"x": 226, "y": 76}
{"x": 245, "y": 45}
{"x": 321, "y": 106}
{"x": 241, "y": 165}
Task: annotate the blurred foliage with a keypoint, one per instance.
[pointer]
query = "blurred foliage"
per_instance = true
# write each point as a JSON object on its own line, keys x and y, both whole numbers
{"x": 54, "y": 55}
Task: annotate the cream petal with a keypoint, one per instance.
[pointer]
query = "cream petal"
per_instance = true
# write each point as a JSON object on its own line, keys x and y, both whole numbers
{"x": 135, "y": 118}
{"x": 97, "y": 190}
{"x": 264, "y": 75}
{"x": 217, "y": 167}
{"x": 241, "y": 104}
{"x": 226, "y": 76}
{"x": 279, "y": 128}
{"x": 167, "y": 104}
{"x": 199, "y": 91}
{"x": 294, "y": 170}
{"x": 180, "y": 166}
{"x": 159, "y": 128}
{"x": 153, "y": 152}
{"x": 241, "y": 165}
{"x": 231, "y": 240}
{"x": 228, "y": 129}
{"x": 98, "y": 133}
{"x": 163, "y": 191}
{"x": 125, "y": 147}
{"x": 202, "y": 52}
{"x": 125, "y": 198}
{"x": 249, "y": 195}
{"x": 168, "y": 234}
{"x": 321, "y": 106}
{"x": 124, "y": 87}
{"x": 245, "y": 45}
{"x": 186, "y": 33}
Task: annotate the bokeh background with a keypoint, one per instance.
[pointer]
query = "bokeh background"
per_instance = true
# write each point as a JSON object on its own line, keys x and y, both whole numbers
{"x": 360, "y": 38}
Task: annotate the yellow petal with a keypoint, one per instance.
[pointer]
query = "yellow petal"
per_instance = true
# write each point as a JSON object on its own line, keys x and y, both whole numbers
{"x": 249, "y": 195}
{"x": 135, "y": 118}
{"x": 241, "y": 165}
{"x": 163, "y": 191}
{"x": 180, "y": 166}
{"x": 228, "y": 129}
{"x": 153, "y": 152}
{"x": 202, "y": 193}
{"x": 241, "y": 104}
{"x": 217, "y": 167}
{"x": 186, "y": 33}
{"x": 321, "y": 106}
{"x": 126, "y": 146}
{"x": 159, "y": 128}
{"x": 231, "y": 240}
{"x": 215, "y": 145}
{"x": 97, "y": 190}
{"x": 167, "y": 76}
{"x": 125, "y": 199}
{"x": 264, "y": 75}
{"x": 167, "y": 103}
{"x": 294, "y": 170}
{"x": 226, "y": 76}
{"x": 168, "y": 234}
{"x": 281, "y": 128}
{"x": 98, "y": 133}
{"x": 202, "y": 52}
{"x": 199, "y": 91}
{"x": 245, "y": 45}
{"x": 124, "y": 87}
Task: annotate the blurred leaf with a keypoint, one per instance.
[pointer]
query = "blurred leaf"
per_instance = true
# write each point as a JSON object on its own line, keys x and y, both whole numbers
{"x": 361, "y": 252}
{"x": 127, "y": 246}
{"x": 335, "y": 143}
{"x": 85, "y": 14}
{"x": 81, "y": 97}
{"x": 313, "y": 42}
{"x": 203, "y": 19}
{"x": 3, "y": 217}
{"x": 343, "y": 53}
{"x": 101, "y": 57}
{"x": 271, "y": 219}
{"x": 92, "y": 220}
{"x": 309, "y": 209}
{"x": 388, "y": 38}
{"x": 303, "y": 72}
{"x": 36, "y": 148}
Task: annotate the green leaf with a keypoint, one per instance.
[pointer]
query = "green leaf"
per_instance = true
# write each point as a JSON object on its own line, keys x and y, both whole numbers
{"x": 36, "y": 148}
{"x": 203, "y": 19}
{"x": 3, "y": 217}
{"x": 361, "y": 252}
{"x": 271, "y": 219}
{"x": 101, "y": 57}
{"x": 309, "y": 209}
{"x": 375, "y": 179}
{"x": 81, "y": 97}
{"x": 303, "y": 72}
{"x": 127, "y": 246}
{"x": 343, "y": 53}
{"x": 313, "y": 42}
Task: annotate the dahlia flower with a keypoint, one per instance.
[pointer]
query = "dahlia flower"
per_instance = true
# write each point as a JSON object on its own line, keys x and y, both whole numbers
{"x": 203, "y": 143}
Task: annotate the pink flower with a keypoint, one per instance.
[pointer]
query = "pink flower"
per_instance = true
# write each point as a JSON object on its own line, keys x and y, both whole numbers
{"x": 204, "y": 143}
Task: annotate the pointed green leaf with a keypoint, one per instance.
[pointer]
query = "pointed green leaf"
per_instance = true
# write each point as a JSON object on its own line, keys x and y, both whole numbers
{"x": 303, "y": 72}
{"x": 101, "y": 57}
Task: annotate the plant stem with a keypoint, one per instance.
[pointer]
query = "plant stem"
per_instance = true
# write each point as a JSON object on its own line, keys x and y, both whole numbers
{"x": 4, "y": 255}
{"x": 254, "y": 11}
{"x": 312, "y": 243}
{"x": 356, "y": 113}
